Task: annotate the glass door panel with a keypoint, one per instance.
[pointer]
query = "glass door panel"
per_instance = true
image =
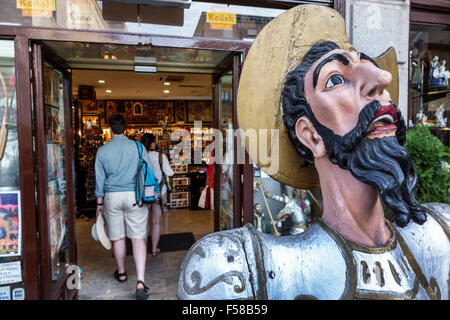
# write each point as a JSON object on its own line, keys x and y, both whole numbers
{"x": 225, "y": 90}
{"x": 55, "y": 131}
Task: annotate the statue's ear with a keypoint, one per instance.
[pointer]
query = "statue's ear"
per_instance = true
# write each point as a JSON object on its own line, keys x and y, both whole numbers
{"x": 308, "y": 135}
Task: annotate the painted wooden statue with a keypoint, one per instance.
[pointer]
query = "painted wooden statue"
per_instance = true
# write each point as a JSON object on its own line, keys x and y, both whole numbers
{"x": 338, "y": 128}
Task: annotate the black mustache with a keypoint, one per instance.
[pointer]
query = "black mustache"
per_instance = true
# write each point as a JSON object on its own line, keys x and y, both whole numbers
{"x": 349, "y": 141}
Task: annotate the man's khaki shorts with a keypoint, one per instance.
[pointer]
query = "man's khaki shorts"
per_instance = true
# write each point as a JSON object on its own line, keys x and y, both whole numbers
{"x": 124, "y": 219}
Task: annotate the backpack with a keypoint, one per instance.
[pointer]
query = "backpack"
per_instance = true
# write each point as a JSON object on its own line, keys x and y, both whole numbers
{"x": 147, "y": 186}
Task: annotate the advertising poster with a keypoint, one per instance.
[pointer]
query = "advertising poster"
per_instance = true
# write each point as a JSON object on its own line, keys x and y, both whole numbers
{"x": 10, "y": 272}
{"x": 10, "y": 224}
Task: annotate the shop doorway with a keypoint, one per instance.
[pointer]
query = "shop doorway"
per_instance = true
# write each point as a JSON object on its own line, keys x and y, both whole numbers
{"x": 158, "y": 90}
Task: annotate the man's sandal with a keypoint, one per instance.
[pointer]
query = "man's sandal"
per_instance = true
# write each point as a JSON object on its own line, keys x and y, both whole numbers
{"x": 118, "y": 275}
{"x": 142, "y": 294}
{"x": 155, "y": 253}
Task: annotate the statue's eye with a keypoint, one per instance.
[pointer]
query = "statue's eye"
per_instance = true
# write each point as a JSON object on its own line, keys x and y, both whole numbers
{"x": 335, "y": 79}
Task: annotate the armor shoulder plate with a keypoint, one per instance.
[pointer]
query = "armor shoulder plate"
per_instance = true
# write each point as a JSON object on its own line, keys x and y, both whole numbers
{"x": 315, "y": 264}
{"x": 222, "y": 265}
{"x": 430, "y": 245}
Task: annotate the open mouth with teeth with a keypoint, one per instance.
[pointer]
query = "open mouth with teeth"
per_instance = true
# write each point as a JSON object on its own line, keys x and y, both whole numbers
{"x": 384, "y": 120}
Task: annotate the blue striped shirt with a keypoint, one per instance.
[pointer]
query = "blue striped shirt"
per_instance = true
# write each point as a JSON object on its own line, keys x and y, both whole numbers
{"x": 116, "y": 165}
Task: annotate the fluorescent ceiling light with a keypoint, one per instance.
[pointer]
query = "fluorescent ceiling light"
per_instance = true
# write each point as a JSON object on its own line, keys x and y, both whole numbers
{"x": 145, "y": 69}
{"x": 166, "y": 91}
{"x": 108, "y": 91}
{"x": 167, "y": 83}
{"x": 101, "y": 81}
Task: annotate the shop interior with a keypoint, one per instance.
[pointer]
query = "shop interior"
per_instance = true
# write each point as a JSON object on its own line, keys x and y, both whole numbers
{"x": 429, "y": 79}
{"x": 159, "y": 91}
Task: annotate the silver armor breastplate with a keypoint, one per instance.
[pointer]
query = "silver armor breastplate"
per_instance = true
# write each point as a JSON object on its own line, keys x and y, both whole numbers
{"x": 319, "y": 264}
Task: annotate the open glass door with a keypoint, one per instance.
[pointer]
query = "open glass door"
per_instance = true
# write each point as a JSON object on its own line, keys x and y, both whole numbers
{"x": 227, "y": 178}
{"x": 53, "y": 136}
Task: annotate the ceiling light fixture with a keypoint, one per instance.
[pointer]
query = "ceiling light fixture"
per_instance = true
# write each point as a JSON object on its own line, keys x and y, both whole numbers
{"x": 166, "y": 91}
{"x": 101, "y": 81}
{"x": 167, "y": 83}
{"x": 144, "y": 64}
{"x": 108, "y": 91}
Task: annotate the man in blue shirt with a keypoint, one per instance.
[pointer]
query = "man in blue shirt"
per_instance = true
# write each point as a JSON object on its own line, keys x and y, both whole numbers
{"x": 116, "y": 165}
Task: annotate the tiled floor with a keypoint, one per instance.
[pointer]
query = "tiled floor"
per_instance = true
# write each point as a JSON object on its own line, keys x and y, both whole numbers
{"x": 162, "y": 272}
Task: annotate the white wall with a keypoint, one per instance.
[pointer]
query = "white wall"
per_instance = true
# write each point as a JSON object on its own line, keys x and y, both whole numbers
{"x": 375, "y": 25}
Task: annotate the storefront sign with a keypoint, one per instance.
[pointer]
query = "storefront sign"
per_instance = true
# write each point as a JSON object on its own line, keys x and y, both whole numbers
{"x": 221, "y": 20}
{"x": 36, "y": 8}
{"x": 36, "y": 4}
{"x": 10, "y": 224}
{"x": 10, "y": 272}
{"x": 5, "y": 293}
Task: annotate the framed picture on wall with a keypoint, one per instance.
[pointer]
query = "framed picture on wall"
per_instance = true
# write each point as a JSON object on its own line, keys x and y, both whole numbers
{"x": 110, "y": 107}
{"x": 138, "y": 109}
{"x": 90, "y": 106}
{"x": 180, "y": 112}
{"x": 120, "y": 107}
{"x": 199, "y": 111}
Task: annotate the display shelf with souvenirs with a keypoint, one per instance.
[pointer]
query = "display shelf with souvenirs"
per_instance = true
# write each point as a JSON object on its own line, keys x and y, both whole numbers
{"x": 429, "y": 99}
{"x": 167, "y": 120}
{"x": 91, "y": 140}
{"x": 180, "y": 182}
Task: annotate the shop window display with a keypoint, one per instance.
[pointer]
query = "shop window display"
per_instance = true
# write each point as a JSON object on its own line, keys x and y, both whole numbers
{"x": 10, "y": 207}
{"x": 280, "y": 209}
{"x": 429, "y": 101}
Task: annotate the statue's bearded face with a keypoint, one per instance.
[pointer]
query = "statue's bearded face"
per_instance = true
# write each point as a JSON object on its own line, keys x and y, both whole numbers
{"x": 361, "y": 128}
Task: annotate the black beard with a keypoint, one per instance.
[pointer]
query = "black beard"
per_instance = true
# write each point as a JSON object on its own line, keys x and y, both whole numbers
{"x": 382, "y": 162}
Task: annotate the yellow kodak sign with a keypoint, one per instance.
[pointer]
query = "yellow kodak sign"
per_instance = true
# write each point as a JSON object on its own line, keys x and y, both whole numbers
{"x": 221, "y": 20}
{"x": 36, "y": 5}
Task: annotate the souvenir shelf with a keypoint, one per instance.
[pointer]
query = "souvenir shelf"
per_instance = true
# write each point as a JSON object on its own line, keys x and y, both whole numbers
{"x": 429, "y": 95}
{"x": 92, "y": 139}
{"x": 180, "y": 195}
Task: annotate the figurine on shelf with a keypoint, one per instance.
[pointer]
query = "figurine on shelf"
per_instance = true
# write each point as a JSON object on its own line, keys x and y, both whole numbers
{"x": 416, "y": 69}
{"x": 293, "y": 217}
{"x": 421, "y": 117}
{"x": 441, "y": 73}
{"x": 261, "y": 222}
{"x": 441, "y": 122}
{"x": 438, "y": 75}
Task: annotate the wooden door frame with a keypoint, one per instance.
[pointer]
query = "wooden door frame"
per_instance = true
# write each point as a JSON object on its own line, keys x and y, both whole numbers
{"x": 30, "y": 258}
{"x": 49, "y": 290}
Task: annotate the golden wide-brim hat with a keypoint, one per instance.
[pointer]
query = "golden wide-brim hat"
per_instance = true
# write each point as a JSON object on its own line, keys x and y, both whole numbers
{"x": 278, "y": 49}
